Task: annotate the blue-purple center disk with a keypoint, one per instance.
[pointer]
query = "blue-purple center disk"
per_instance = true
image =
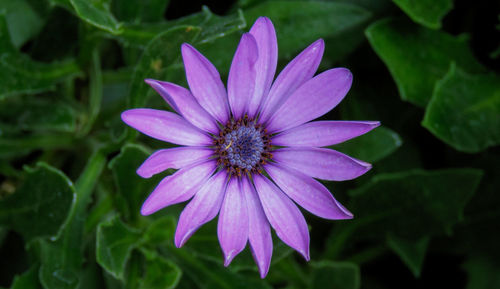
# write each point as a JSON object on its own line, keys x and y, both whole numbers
{"x": 242, "y": 146}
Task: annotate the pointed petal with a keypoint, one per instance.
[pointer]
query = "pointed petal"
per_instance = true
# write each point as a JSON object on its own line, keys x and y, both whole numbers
{"x": 205, "y": 83}
{"x": 307, "y": 192}
{"x": 178, "y": 187}
{"x": 259, "y": 233}
{"x": 313, "y": 99}
{"x": 297, "y": 72}
{"x": 323, "y": 133}
{"x": 165, "y": 126}
{"x": 232, "y": 228}
{"x": 284, "y": 216}
{"x": 203, "y": 208}
{"x": 185, "y": 104}
{"x": 174, "y": 158}
{"x": 267, "y": 45}
{"x": 321, "y": 163}
{"x": 241, "y": 80}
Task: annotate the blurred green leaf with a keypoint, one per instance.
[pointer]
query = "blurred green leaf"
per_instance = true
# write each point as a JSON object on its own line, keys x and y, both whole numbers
{"x": 114, "y": 243}
{"x": 160, "y": 231}
{"x": 412, "y": 253}
{"x": 464, "y": 111}
{"x": 27, "y": 280}
{"x": 212, "y": 276}
{"x": 40, "y": 207}
{"x": 328, "y": 274}
{"x": 317, "y": 20}
{"x": 482, "y": 274}
{"x": 97, "y": 13}
{"x": 390, "y": 202}
{"x": 62, "y": 259}
{"x": 30, "y": 114}
{"x": 130, "y": 186}
{"x": 23, "y": 21}
{"x": 426, "y": 12}
{"x": 418, "y": 57}
{"x": 137, "y": 11}
{"x": 373, "y": 146}
{"x": 19, "y": 74}
{"x": 160, "y": 53}
{"x": 159, "y": 273}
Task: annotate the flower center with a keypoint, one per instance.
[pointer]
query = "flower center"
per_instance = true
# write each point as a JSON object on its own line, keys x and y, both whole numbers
{"x": 242, "y": 146}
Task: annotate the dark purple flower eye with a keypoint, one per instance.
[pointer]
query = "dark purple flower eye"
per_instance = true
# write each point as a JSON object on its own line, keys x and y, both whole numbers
{"x": 251, "y": 153}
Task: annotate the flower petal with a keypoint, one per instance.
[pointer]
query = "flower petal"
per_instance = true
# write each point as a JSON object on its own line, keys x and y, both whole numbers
{"x": 313, "y": 99}
{"x": 205, "y": 83}
{"x": 203, "y": 208}
{"x": 241, "y": 80}
{"x": 185, "y": 104}
{"x": 267, "y": 45}
{"x": 323, "y": 133}
{"x": 232, "y": 228}
{"x": 297, "y": 72}
{"x": 307, "y": 192}
{"x": 259, "y": 234}
{"x": 165, "y": 126}
{"x": 284, "y": 216}
{"x": 321, "y": 163}
{"x": 174, "y": 158}
{"x": 178, "y": 187}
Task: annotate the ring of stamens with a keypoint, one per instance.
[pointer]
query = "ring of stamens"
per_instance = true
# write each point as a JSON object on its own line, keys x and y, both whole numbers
{"x": 242, "y": 146}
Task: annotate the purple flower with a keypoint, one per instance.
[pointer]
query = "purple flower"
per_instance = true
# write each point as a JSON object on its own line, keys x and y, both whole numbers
{"x": 250, "y": 153}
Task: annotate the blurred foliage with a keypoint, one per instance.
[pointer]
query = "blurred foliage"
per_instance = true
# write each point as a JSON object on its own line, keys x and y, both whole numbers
{"x": 70, "y": 197}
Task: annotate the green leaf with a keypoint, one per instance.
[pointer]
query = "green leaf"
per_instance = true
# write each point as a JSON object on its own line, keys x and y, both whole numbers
{"x": 130, "y": 186}
{"x": 317, "y": 20}
{"x": 114, "y": 243}
{"x": 372, "y": 146}
{"x": 328, "y": 274}
{"x": 30, "y": 114}
{"x": 97, "y": 13}
{"x": 139, "y": 11}
{"x": 27, "y": 280}
{"x": 19, "y": 74}
{"x": 40, "y": 207}
{"x": 417, "y": 57}
{"x": 62, "y": 259}
{"x": 482, "y": 274}
{"x": 464, "y": 110}
{"x": 161, "y": 231}
{"x": 390, "y": 202}
{"x": 23, "y": 21}
{"x": 212, "y": 276}
{"x": 159, "y": 272}
{"x": 426, "y": 12}
{"x": 412, "y": 253}
{"x": 160, "y": 53}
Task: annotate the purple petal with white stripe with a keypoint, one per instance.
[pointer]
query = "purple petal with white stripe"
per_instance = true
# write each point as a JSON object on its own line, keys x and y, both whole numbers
{"x": 313, "y": 99}
{"x": 241, "y": 80}
{"x": 267, "y": 45}
{"x": 283, "y": 215}
{"x": 259, "y": 234}
{"x": 232, "y": 228}
{"x": 165, "y": 126}
{"x": 298, "y": 71}
{"x": 178, "y": 187}
{"x": 321, "y": 163}
{"x": 174, "y": 158}
{"x": 323, "y": 133}
{"x": 205, "y": 83}
{"x": 185, "y": 104}
{"x": 307, "y": 192}
{"x": 203, "y": 207}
